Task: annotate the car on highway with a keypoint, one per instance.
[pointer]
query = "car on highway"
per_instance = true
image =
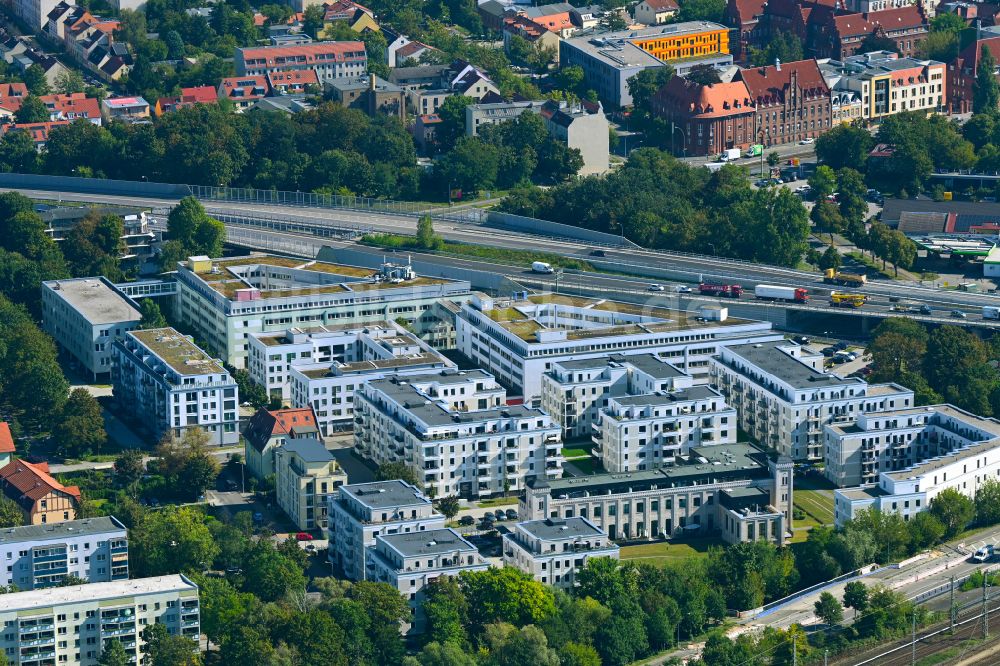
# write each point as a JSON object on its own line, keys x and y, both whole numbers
{"x": 656, "y": 287}
{"x": 958, "y": 314}
{"x": 683, "y": 289}
{"x": 598, "y": 253}
{"x": 983, "y": 554}
{"x": 807, "y": 141}
{"x": 925, "y": 309}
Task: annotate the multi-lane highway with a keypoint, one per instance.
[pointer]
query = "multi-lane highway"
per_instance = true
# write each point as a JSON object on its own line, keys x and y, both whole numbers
{"x": 646, "y": 265}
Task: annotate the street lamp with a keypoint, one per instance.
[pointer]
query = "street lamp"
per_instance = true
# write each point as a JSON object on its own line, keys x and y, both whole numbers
{"x": 677, "y": 128}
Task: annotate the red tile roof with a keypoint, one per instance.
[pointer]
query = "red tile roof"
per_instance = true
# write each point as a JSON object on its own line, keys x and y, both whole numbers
{"x": 244, "y": 87}
{"x": 295, "y": 78}
{"x": 770, "y": 83}
{"x": 713, "y": 101}
{"x": 72, "y": 106}
{"x": 13, "y": 90}
{"x": 747, "y": 9}
{"x": 897, "y": 18}
{"x": 308, "y": 53}
{"x": 264, "y": 425}
{"x": 968, "y": 59}
{"x": 663, "y": 5}
{"x": 39, "y": 132}
{"x": 25, "y": 483}
{"x": 6, "y": 439}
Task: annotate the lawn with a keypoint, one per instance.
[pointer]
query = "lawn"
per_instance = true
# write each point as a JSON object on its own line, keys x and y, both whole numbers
{"x": 661, "y": 553}
{"x": 575, "y": 453}
{"x": 817, "y": 504}
{"x": 587, "y": 466}
{"x": 497, "y": 501}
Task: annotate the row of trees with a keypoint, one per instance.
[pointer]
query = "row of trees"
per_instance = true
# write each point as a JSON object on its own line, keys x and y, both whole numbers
{"x": 658, "y": 201}
{"x": 949, "y": 364}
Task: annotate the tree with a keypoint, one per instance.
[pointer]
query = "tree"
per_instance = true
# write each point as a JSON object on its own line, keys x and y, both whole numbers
{"x": 703, "y": 10}
{"x": 856, "y": 596}
{"x": 223, "y": 607}
{"x": 926, "y": 530}
{"x": 10, "y": 513}
{"x": 452, "y": 126}
{"x": 449, "y": 506}
{"x": 269, "y": 574}
{"x": 165, "y": 649}
{"x": 173, "y": 539}
{"x": 506, "y": 594}
{"x": 784, "y": 46}
{"x": 32, "y": 110}
{"x": 70, "y": 81}
{"x": 129, "y": 467}
{"x": 704, "y": 75}
{"x": 773, "y": 158}
{"x": 647, "y": 83}
{"x": 447, "y": 612}
{"x": 426, "y": 238}
{"x": 851, "y": 191}
{"x": 397, "y": 470}
{"x": 441, "y": 654}
{"x": 988, "y": 503}
{"x": 113, "y": 654}
{"x": 510, "y": 647}
{"x": 249, "y": 390}
{"x": 823, "y": 181}
{"x": 187, "y": 464}
{"x": 829, "y": 609}
{"x": 34, "y": 79}
{"x": 152, "y": 317}
{"x": 80, "y": 428}
{"x": 985, "y": 89}
{"x": 830, "y": 259}
{"x": 18, "y": 153}
{"x": 954, "y": 510}
{"x": 577, "y": 654}
{"x": 845, "y": 146}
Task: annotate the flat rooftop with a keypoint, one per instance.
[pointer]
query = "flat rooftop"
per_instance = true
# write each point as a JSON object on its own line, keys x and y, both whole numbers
{"x": 861, "y": 493}
{"x": 97, "y": 302}
{"x": 521, "y": 318}
{"x": 309, "y": 449}
{"x": 429, "y": 411}
{"x": 56, "y": 531}
{"x": 706, "y": 464}
{"x": 699, "y": 392}
{"x": 95, "y": 592}
{"x": 178, "y": 352}
{"x": 618, "y": 48}
{"x": 556, "y": 529}
{"x": 385, "y": 494}
{"x": 429, "y": 542}
{"x": 326, "y": 330}
{"x": 769, "y": 358}
{"x": 361, "y": 367}
{"x": 944, "y": 460}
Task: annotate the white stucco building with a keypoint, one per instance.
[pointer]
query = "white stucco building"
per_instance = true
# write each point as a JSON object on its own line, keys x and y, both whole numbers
{"x": 85, "y": 316}
{"x": 228, "y": 300}
{"x": 358, "y": 512}
{"x": 784, "y": 398}
{"x": 455, "y": 430}
{"x": 169, "y": 384}
{"x": 553, "y": 550}
{"x": 519, "y": 341}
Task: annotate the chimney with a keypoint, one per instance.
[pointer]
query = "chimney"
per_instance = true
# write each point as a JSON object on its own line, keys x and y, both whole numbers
{"x": 371, "y": 82}
{"x": 777, "y": 64}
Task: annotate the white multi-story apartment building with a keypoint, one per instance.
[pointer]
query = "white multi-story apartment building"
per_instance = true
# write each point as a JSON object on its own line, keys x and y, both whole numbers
{"x": 735, "y": 490}
{"x": 552, "y": 550}
{"x": 858, "y": 452}
{"x": 641, "y": 432}
{"x": 410, "y": 561}
{"x": 784, "y": 398}
{"x": 85, "y": 316}
{"x": 639, "y": 410}
{"x": 306, "y": 475}
{"x": 228, "y": 300}
{"x": 37, "y": 556}
{"x": 456, "y": 432}
{"x": 359, "y": 512}
{"x": 330, "y": 60}
{"x": 321, "y": 367}
{"x": 170, "y": 384}
{"x": 888, "y": 83}
{"x": 71, "y": 625}
{"x": 34, "y": 13}
{"x": 968, "y": 453}
{"x": 519, "y": 341}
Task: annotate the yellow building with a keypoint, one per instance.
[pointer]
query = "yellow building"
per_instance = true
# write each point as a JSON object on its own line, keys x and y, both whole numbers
{"x": 695, "y": 43}
{"x": 306, "y": 474}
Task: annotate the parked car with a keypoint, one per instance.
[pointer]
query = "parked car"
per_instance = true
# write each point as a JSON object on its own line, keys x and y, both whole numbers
{"x": 511, "y": 514}
{"x": 807, "y": 141}
{"x": 828, "y": 351}
{"x": 466, "y": 521}
{"x": 761, "y": 182}
{"x": 303, "y": 536}
{"x": 500, "y": 514}
{"x": 958, "y": 314}
{"x": 840, "y": 346}
{"x": 801, "y": 339}
{"x": 656, "y": 287}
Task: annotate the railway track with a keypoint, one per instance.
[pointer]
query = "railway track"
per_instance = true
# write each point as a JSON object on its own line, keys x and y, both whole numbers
{"x": 932, "y": 640}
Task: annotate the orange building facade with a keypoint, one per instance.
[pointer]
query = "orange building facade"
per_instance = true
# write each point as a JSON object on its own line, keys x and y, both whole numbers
{"x": 686, "y": 45}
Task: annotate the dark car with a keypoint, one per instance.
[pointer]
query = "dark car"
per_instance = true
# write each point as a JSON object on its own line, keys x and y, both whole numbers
{"x": 925, "y": 309}
{"x": 511, "y": 514}
{"x": 841, "y": 346}
{"x": 500, "y": 514}
{"x": 828, "y": 351}
{"x": 598, "y": 253}
{"x": 958, "y": 314}
{"x": 467, "y": 520}
{"x": 801, "y": 339}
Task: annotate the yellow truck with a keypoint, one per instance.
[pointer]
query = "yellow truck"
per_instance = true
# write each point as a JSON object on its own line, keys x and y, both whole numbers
{"x": 844, "y": 279}
{"x": 842, "y": 300}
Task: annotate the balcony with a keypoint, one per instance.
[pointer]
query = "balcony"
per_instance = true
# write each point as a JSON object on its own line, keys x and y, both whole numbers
{"x": 34, "y": 628}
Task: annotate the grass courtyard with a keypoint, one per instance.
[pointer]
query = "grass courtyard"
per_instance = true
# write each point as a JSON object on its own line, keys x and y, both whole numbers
{"x": 661, "y": 553}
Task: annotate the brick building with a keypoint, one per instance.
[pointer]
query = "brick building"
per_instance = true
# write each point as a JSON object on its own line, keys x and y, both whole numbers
{"x": 742, "y": 17}
{"x": 792, "y": 101}
{"x": 961, "y": 73}
{"x": 840, "y": 36}
{"x": 712, "y": 118}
